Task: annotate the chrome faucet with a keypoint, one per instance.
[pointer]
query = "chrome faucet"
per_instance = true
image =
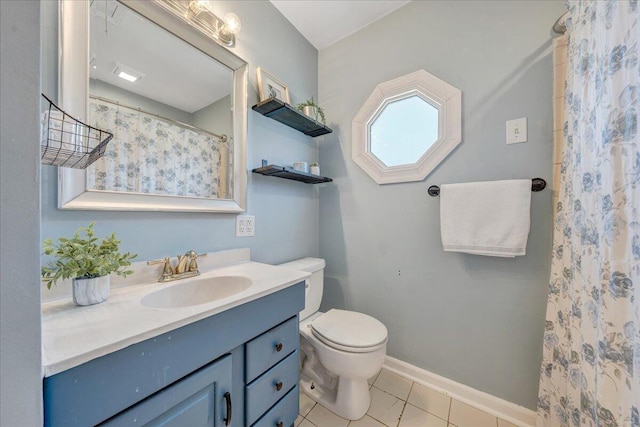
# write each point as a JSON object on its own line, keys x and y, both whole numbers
{"x": 187, "y": 266}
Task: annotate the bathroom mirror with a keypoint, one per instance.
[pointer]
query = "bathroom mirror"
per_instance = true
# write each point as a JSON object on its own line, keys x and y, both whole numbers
{"x": 174, "y": 99}
{"x": 407, "y": 127}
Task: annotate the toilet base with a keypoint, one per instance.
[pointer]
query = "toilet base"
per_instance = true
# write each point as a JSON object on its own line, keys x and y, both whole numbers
{"x": 350, "y": 399}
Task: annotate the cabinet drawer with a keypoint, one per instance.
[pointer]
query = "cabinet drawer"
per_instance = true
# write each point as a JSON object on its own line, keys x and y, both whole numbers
{"x": 284, "y": 413}
{"x": 261, "y": 394}
{"x": 269, "y": 348}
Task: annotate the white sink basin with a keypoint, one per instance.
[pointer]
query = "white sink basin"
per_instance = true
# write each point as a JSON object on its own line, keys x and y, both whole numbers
{"x": 196, "y": 291}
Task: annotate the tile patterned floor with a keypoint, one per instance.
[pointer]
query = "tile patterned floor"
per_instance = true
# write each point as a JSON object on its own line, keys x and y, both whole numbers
{"x": 399, "y": 402}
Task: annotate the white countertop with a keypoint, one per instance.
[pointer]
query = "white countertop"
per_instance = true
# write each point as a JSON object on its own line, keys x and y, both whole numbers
{"x": 73, "y": 335}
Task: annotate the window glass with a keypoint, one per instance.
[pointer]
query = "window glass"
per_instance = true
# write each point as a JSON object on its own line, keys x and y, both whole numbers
{"x": 404, "y": 131}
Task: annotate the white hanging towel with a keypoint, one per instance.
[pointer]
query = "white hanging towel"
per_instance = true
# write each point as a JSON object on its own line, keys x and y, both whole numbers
{"x": 486, "y": 218}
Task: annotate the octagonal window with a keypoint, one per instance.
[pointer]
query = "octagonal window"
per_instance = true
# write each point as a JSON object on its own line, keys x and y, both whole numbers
{"x": 407, "y": 127}
{"x": 403, "y": 131}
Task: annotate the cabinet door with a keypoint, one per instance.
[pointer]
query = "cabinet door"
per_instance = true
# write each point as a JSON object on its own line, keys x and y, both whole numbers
{"x": 202, "y": 399}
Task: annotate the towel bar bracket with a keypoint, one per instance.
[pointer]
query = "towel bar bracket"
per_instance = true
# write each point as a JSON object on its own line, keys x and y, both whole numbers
{"x": 537, "y": 184}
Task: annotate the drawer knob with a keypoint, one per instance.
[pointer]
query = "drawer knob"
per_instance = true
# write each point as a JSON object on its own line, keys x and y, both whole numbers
{"x": 279, "y": 385}
{"x": 280, "y": 424}
{"x": 279, "y": 346}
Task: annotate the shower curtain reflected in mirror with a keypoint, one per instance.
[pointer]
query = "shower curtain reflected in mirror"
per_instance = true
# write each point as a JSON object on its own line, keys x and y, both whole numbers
{"x": 154, "y": 156}
{"x": 590, "y": 374}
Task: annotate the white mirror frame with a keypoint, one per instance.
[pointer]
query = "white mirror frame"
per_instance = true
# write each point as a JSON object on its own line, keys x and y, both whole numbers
{"x": 73, "y": 94}
{"x": 444, "y": 97}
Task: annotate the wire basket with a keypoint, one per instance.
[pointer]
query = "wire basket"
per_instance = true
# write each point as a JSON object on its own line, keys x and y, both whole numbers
{"x": 68, "y": 142}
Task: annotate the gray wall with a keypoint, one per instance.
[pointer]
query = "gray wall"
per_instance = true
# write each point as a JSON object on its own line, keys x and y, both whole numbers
{"x": 115, "y": 93}
{"x": 215, "y": 117}
{"x": 20, "y": 359}
{"x": 286, "y": 211}
{"x": 476, "y": 320}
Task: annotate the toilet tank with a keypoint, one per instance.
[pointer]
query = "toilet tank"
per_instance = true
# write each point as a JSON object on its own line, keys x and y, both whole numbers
{"x": 313, "y": 285}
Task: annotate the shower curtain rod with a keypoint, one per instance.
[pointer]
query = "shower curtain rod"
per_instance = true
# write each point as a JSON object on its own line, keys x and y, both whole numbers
{"x": 222, "y": 138}
{"x": 560, "y": 25}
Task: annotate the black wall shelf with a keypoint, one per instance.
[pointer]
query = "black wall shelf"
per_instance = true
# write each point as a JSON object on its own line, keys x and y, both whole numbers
{"x": 285, "y": 113}
{"x": 290, "y": 173}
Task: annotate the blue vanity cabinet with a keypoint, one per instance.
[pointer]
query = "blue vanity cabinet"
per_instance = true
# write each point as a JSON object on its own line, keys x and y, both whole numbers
{"x": 272, "y": 370}
{"x": 283, "y": 413}
{"x": 202, "y": 399}
{"x": 180, "y": 378}
{"x": 271, "y": 347}
{"x": 270, "y": 387}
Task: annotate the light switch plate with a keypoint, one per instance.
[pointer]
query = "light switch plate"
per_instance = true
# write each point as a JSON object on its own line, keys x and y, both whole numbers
{"x": 517, "y": 130}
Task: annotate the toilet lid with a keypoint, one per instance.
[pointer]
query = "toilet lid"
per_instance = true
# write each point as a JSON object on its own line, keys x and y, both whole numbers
{"x": 349, "y": 329}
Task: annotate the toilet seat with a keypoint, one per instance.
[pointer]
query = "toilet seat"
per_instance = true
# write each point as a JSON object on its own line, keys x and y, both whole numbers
{"x": 349, "y": 331}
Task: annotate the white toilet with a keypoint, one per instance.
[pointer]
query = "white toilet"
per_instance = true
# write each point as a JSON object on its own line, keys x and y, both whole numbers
{"x": 340, "y": 350}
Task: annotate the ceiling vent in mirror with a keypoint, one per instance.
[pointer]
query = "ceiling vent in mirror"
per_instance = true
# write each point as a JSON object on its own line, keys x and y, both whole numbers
{"x": 127, "y": 73}
{"x": 110, "y": 10}
{"x": 407, "y": 127}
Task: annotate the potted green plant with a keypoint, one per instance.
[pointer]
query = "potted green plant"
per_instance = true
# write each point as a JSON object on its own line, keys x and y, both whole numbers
{"x": 313, "y": 110}
{"x": 88, "y": 262}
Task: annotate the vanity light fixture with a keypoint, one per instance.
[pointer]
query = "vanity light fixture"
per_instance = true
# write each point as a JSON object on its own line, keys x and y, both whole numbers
{"x": 199, "y": 14}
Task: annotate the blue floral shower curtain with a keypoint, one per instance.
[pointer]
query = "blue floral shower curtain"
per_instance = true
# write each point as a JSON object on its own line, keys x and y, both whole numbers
{"x": 590, "y": 372}
{"x": 152, "y": 156}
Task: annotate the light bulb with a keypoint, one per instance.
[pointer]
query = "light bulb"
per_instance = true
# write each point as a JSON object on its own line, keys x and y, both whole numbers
{"x": 205, "y": 5}
{"x": 197, "y": 6}
{"x": 232, "y": 24}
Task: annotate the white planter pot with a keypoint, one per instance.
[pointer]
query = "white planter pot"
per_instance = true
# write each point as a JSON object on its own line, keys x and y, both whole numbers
{"x": 91, "y": 291}
{"x": 310, "y": 111}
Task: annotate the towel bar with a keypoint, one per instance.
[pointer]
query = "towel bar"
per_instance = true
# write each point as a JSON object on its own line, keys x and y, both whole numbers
{"x": 537, "y": 184}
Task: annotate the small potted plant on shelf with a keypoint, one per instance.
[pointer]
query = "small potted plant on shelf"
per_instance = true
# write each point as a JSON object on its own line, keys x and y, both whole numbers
{"x": 88, "y": 262}
{"x": 313, "y": 110}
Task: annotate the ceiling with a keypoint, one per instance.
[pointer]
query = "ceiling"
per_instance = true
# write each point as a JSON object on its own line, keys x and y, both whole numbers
{"x": 174, "y": 72}
{"x": 169, "y": 73}
{"x": 324, "y": 22}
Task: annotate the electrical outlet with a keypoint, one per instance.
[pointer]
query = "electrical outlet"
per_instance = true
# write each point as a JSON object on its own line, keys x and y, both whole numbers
{"x": 245, "y": 226}
{"x": 250, "y": 225}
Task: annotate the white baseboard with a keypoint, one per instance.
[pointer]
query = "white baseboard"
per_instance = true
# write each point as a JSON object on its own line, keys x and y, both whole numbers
{"x": 515, "y": 414}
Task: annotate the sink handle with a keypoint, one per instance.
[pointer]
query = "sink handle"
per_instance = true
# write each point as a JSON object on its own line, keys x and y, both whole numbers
{"x": 167, "y": 270}
{"x": 193, "y": 260}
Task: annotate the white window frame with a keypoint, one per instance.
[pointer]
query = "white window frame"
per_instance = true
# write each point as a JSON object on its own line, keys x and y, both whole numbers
{"x": 445, "y": 98}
